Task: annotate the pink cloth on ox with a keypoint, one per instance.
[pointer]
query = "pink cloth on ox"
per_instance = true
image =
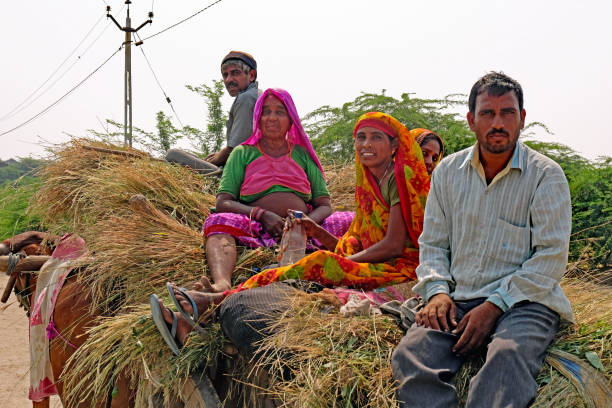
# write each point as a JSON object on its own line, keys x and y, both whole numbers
{"x": 50, "y": 280}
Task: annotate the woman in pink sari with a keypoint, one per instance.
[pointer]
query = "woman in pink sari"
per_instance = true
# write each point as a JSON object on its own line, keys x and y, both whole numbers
{"x": 276, "y": 169}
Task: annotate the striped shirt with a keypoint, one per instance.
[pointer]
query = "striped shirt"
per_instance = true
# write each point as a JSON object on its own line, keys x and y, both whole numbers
{"x": 506, "y": 241}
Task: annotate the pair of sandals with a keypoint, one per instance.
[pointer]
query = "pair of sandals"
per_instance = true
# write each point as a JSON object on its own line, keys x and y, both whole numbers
{"x": 169, "y": 335}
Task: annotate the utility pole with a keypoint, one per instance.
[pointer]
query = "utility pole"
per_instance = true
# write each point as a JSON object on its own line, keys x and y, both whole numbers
{"x": 127, "y": 83}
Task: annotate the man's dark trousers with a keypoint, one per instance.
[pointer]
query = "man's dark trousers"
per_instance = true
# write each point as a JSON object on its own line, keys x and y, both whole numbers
{"x": 424, "y": 364}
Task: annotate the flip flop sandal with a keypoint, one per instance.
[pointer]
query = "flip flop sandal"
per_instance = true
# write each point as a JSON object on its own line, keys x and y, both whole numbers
{"x": 169, "y": 336}
{"x": 189, "y": 318}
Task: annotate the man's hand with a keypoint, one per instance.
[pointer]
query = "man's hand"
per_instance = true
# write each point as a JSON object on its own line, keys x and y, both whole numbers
{"x": 440, "y": 313}
{"x": 214, "y": 158}
{"x": 475, "y": 328}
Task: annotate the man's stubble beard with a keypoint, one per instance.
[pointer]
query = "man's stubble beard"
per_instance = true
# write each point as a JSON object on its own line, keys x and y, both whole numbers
{"x": 496, "y": 149}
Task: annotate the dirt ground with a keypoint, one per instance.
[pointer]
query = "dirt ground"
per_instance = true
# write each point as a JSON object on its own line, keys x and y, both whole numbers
{"x": 15, "y": 355}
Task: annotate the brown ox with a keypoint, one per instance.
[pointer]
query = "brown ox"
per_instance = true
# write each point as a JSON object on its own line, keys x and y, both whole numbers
{"x": 71, "y": 315}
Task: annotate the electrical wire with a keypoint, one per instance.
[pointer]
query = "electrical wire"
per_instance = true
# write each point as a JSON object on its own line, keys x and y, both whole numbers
{"x": 48, "y": 108}
{"x": 20, "y": 106}
{"x": 99, "y": 36}
{"x": 78, "y": 59}
{"x": 183, "y": 20}
{"x": 158, "y": 83}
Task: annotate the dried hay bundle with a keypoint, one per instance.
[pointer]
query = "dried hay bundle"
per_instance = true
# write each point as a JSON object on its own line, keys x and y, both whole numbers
{"x": 141, "y": 219}
{"x": 129, "y": 346}
{"x": 82, "y": 186}
{"x": 136, "y": 255}
{"x": 340, "y": 180}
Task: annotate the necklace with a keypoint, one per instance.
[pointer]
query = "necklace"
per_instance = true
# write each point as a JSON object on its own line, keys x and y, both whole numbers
{"x": 273, "y": 151}
{"x": 379, "y": 182}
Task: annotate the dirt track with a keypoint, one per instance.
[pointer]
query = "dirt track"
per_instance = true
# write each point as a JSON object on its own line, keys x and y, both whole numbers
{"x": 15, "y": 355}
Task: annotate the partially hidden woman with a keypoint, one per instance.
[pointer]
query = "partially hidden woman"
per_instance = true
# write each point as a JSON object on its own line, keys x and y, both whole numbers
{"x": 431, "y": 147}
{"x": 380, "y": 247}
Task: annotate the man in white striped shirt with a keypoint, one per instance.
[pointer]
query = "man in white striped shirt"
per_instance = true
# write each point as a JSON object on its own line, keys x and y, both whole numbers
{"x": 492, "y": 253}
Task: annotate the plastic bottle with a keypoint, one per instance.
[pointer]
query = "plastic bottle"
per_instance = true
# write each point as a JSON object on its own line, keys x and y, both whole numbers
{"x": 293, "y": 243}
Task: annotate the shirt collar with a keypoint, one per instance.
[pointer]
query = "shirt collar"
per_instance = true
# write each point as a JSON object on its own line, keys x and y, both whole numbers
{"x": 516, "y": 162}
{"x": 469, "y": 156}
{"x": 474, "y": 156}
{"x": 251, "y": 85}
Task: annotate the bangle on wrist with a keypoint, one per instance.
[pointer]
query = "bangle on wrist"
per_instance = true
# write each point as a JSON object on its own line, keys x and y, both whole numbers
{"x": 260, "y": 212}
{"x": 253, "y": 213}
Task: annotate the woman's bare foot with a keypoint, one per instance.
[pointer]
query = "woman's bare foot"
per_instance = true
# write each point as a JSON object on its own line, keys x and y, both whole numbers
{"x": 204, "y": 285}
{"x": 203, "y": 300}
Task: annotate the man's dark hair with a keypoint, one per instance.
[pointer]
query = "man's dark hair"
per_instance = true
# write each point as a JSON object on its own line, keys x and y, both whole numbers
{"x": 495, "y": 84}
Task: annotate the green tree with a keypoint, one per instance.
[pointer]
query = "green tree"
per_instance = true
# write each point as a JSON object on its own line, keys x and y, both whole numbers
{"x": 590, "y": 186}
{"x": 591, "y": 191}
{"x": 13, "y": 169}
{"x": 212, "y": 139}
{"x": 167, "y": 135}
{"x": 159, "y": 142}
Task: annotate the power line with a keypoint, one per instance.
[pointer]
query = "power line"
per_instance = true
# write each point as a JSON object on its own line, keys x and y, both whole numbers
{"x": 158, "y": 83}
{"x": 63, "y": 96}
{"x": 183, "y": 20}
{"x": 17, "y": 109}
{"x": 98, "y": 37}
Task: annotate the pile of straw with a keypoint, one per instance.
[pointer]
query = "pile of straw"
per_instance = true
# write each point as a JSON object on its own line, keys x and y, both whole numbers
{"x": 137, "y": 247}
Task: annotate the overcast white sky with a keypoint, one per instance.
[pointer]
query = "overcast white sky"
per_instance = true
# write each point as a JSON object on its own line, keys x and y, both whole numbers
{"x": 323, "y": 52}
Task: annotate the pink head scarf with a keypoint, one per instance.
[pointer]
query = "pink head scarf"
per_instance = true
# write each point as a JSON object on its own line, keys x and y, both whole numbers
{"x": 295, "y": 135}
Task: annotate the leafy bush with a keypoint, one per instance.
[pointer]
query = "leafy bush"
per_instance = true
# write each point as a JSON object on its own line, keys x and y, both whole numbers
{"x": 14, "y": 199}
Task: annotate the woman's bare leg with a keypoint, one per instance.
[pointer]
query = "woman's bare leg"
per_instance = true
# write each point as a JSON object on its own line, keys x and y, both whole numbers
{"x": 221, "y": 258}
